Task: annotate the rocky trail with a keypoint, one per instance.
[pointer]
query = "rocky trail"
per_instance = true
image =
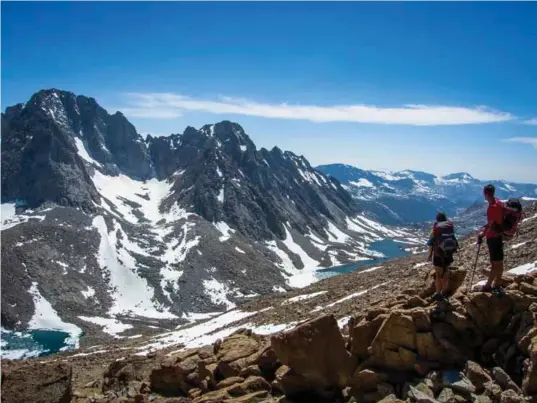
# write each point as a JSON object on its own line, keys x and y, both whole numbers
{"x": 367, "y": 336}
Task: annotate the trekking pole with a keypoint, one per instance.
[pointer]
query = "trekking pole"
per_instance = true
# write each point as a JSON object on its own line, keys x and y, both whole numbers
{"x": 475, "y": 266}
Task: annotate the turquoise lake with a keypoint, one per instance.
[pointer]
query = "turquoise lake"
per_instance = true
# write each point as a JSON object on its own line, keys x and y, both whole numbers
{"x": 387, "y": 247}
{"x": 34, "y": 343}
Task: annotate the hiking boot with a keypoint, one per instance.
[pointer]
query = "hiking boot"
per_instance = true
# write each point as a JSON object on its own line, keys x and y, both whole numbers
{"x": 483, "y": 289}
{"x": 437, "y": 313}
{"x": 437, "y": 296}
{"x": 499, "y": 291}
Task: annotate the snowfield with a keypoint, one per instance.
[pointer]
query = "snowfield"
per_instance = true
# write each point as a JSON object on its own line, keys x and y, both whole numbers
{"x": 198, "y": 335}
{"x": 10, "y": 219}
{"x": 109, "y": 325}
{"x": 303, "y": 297}
{"x": 45, "y": 317}
{"x": 131, "y": 293}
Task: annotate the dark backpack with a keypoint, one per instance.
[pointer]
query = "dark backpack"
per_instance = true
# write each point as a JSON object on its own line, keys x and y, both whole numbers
{"x": 512, "y": 213}
{"x": 445, "y": 240}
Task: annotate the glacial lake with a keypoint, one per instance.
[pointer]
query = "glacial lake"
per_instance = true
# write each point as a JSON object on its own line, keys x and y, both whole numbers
{"x": 34, "y": 343}
{"x": 387, "y": 247}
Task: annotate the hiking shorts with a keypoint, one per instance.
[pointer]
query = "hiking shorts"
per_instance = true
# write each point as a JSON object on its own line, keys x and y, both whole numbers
{"x": 495, "y": 246}
{"x": 443, "y": 262}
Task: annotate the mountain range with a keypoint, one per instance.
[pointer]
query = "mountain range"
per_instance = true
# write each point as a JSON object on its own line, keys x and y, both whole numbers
{"x": 99, "y": 223}
{"x": 412, "y": 196}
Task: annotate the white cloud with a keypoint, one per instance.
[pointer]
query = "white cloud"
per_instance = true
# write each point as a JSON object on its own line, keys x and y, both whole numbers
{"x": 532, "y": 121}
{"x": 152, "y": 113}
{"x": 524, "y": 140}
{"x": 167, "y": 105}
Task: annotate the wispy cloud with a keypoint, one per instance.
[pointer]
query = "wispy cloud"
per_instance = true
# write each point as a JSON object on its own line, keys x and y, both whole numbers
{"x": 524, "y": 140}
{"x": 167, "y": 105}
{"x": 532, "y": 121}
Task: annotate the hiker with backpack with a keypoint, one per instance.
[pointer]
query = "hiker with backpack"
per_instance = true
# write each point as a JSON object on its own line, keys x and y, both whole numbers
{"x": 442, "y": 245}
{"x": 502, "y": 222}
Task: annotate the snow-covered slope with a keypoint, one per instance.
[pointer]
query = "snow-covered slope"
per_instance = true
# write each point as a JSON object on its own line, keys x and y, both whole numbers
{"x": 411, "y": 196}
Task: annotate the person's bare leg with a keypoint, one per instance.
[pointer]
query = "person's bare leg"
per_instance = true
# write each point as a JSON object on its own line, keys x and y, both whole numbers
{"x": 492, "y": 274}
{"x": 438, "y": 278}
{"x": 445, "y": 282}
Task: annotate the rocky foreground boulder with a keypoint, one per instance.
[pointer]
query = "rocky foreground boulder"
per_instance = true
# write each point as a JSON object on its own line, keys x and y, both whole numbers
{"x": 478, "y": 348}
{"x": 39, "y": 383}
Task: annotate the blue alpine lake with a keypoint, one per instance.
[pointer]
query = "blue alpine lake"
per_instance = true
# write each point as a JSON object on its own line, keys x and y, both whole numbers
{"x": 389, "y": 248}
{"x": 33, "y": 343}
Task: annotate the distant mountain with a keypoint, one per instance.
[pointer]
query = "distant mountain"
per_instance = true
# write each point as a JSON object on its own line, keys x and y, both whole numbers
{"x": 411, "y": 196}
{"x": 98, "y": 222}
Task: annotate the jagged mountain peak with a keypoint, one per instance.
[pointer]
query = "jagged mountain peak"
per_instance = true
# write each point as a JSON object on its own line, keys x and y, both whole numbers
{"x": 229, "y": 135}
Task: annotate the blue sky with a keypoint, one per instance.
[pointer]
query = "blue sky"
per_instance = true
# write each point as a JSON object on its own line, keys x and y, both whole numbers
{"x": 440, "y": 87}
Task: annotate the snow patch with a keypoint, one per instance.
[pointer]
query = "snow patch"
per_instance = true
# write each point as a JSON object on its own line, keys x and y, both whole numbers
{"x": 265, "y": 330}
{"x": 351, "y": 296}
{"x": 110, "y": 326}
{"x": 90, "y": 292}
{"x": 524, "y": 269}
{"x": 362, "y": 182}
{"x": 355, "y": 226}
{"x": 195, "y": 317}
{"x": 10, "y": 219}
{"x": 317, "y": 242}
{"x": 119, "y": 188}
{"x": 308, "y": 262}
{"x": 309, "y": 177}
{"x": 83, "y": 153}
{"x": 239, "y": 249}
{"x": 7, "y": 211}
{"x": 63, "y": 265}
{"x": 19, "y": 354}
{"x": 220, "y": 196}
{"x": 218, "y": 292}
{"x": 379, "y": 227}
{"x": 509, "y": 187}
{"x": 370, "y": 269}
{"x": 199, "y": 335}
{"x": 45, "y": 317}
{"x": 225, "y": 229}
{"x": 243, "y": 148}
{"x": 335, "y": 234}
{"x": 131, "y": 293}
{"x": 342, "y": 322}
{"x": 303, "y": 297}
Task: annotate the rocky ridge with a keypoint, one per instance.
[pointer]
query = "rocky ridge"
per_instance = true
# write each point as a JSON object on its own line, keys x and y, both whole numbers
{"x": 401, "y": 346}
{"x": 412, "y": 196}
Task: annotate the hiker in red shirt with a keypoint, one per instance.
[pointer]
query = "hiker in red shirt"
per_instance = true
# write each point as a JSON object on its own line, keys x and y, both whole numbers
{"x": 494, "y": 239}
